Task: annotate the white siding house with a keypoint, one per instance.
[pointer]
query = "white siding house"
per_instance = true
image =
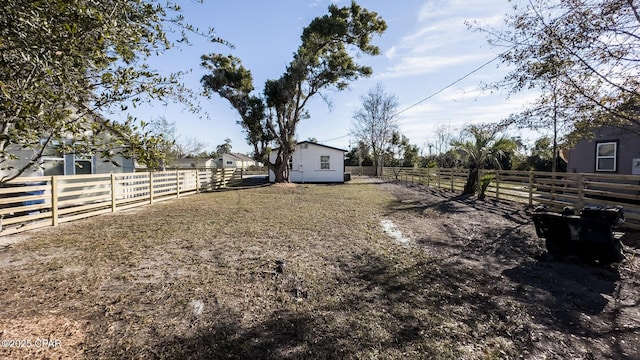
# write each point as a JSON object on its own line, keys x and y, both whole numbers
{"x": 235, "y": 160}
{"x": 312, "y": 162}
{"x": 187, "y": 163}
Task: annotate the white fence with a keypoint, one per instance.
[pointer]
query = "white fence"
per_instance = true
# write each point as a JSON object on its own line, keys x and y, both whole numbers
{"x": 34, "y": 202}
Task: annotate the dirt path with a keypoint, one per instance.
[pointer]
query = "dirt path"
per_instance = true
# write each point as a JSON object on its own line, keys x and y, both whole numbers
{"x": 562, "y": 310}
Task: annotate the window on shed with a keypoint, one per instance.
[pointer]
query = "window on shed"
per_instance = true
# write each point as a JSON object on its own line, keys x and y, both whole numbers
{"x": 229, "y": 162}
{"x": 606, "y": 154}
{"x": 325, "y": 162}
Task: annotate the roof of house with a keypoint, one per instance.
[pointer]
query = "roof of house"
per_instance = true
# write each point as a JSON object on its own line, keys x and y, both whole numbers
{"x": 242, "y": 157}
{"x": 187, "y": 160}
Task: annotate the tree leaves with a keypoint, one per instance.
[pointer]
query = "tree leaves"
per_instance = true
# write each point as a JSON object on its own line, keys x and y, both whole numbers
{"x": 587, "y": 51}
{"x": 63, "y": 64}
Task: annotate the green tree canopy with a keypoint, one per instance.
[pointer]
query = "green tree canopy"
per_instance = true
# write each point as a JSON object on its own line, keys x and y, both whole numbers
{"x": 64, "y": 63}
{"x": 224, "y": 148}
{"x": 324, "y": 60}
{"x": 360, "y": 155}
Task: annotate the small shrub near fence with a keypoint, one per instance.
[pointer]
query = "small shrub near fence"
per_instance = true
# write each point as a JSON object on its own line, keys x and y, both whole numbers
{"x": 533, "y": 188}
{"x": 34, "y": 202}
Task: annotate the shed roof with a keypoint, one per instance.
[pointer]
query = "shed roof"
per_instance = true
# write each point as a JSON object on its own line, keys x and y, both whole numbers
{"x": 322, "y": 145}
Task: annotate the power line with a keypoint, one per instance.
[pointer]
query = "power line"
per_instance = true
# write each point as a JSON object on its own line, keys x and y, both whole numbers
{"x": 338, "y": 138}
{"x": 450, "y": 85}
{"x": 437, "y": 92}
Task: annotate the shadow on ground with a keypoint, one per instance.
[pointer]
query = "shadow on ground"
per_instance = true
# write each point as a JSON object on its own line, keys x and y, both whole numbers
{"x": 248, "y": 182}
{"x": 404, "y": 304}
{"x": 391, "y": 311}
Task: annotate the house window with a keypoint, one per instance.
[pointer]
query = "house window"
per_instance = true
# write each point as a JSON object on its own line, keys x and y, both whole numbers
{"x": 83, "y": 165}
{"x": 606, "y": 154}
{"x": 52, "y": 161}
{"x": 325, "y": 162}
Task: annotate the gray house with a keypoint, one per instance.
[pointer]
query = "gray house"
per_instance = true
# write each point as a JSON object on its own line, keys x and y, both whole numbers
{"x": 612, "y": 150}
{"x": 54, "y": 162}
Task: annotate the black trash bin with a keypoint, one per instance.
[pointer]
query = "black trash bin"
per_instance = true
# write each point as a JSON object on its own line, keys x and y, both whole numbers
{"x": 589, "y": 235}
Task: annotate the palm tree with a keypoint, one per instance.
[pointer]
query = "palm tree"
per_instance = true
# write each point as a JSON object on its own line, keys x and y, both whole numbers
{"x": 483, "y": 150}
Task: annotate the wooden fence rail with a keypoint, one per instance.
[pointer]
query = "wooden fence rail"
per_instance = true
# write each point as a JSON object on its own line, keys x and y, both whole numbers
{"x": 533, "y": 188}
{"x": 33, "y": 202}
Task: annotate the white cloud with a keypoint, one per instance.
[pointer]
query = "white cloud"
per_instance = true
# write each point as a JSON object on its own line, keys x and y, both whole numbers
{"x": 442, "y": 40}
{"x": 449, "y": 8}
{"x": 316, "y": 3}
{"x": 457, "y": 94}
{"x": 422, "y": 65}
{"x": 421, "y": 121}
{"x": 390, "y": 53}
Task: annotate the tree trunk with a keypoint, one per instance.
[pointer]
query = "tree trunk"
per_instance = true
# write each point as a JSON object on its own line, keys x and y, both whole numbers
{"x": 281, "y": 169}
{"x": 376, "y": 165}
{"x": 472, "y": 182}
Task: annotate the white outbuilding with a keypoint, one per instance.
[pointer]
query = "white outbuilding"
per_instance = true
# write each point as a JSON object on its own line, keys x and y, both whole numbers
{"x": 314, "y": 163}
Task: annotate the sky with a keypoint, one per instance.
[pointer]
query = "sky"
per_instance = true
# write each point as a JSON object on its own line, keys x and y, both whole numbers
{"x": 426, "y": 48}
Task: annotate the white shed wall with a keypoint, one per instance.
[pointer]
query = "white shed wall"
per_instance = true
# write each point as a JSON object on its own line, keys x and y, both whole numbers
{"x": 306, "y": 164}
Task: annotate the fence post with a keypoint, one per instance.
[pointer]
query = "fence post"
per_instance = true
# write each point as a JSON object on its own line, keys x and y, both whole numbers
{"x": 150, "y": 187}
{"x": 177, "y": 183}
{"x": 452, "y": 174}
{"x": 479, "y": 185}
{"x": 580, "y": 191}
{"x": 113, "y": 192}
{"x": 530, "y": 187}
{"x": 214, "y": 176}
{"x": 197, "y": 181}
{"x": 497, "y": 185}
{"x": 428, "y": 177}
{"x": 438, "y": 179}
{"x": 553, "y": 187}
{"x": 54, "y": 200}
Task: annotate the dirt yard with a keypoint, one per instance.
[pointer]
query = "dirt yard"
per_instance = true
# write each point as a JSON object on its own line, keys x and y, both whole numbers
{"x": 362, "y": 270}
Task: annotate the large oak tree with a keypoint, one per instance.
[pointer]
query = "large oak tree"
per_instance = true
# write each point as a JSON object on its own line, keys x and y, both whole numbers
{"x": 324, "y": 60}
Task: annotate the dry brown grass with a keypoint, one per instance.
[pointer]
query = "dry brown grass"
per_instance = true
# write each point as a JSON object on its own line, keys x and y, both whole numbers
{"x": 130, "y": 281}
{"x": 201, "y": 277}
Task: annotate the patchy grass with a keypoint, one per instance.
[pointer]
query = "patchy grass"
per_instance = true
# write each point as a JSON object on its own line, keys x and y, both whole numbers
{"x": 287, "y": 272}
{"x": 128, "y": 282}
